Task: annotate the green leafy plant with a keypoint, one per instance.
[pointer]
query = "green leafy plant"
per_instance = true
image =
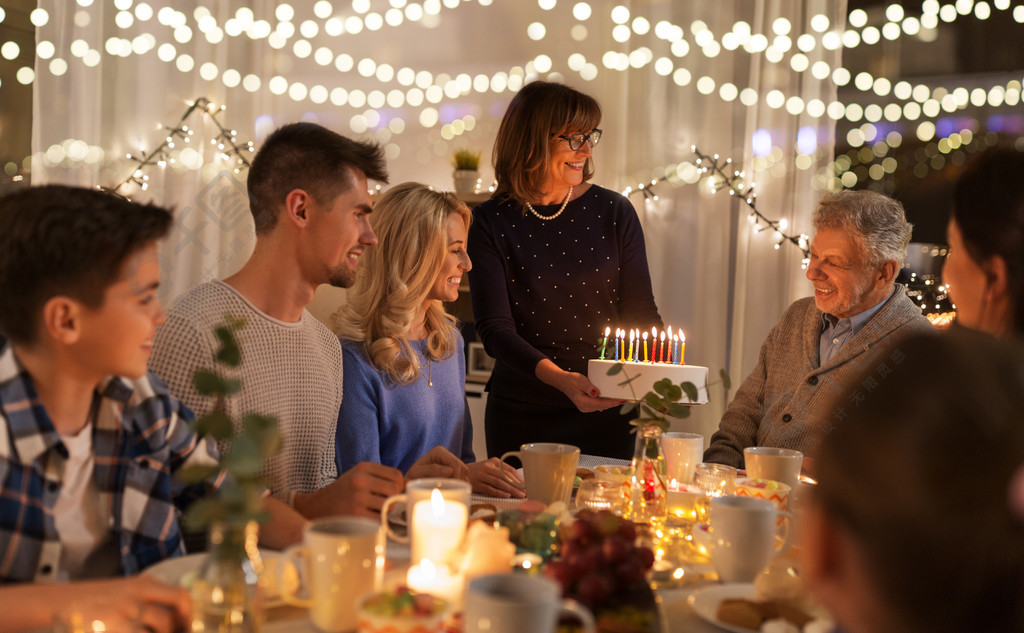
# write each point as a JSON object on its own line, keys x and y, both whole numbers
{"x": 466, "y": 159}
{"x": 240, "y": 497}
{"x": 664, "y": 400}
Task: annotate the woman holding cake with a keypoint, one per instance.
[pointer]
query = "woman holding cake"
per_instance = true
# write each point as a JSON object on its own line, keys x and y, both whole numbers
{"x": 557, "y": 260}
{"x": 985, "y": 266}
{"x": 404, "y": 363}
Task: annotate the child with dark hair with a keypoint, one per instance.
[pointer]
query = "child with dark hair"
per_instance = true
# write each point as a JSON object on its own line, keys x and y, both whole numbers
{"x": 89, "y": 441}
{"x": 911, "y": 528}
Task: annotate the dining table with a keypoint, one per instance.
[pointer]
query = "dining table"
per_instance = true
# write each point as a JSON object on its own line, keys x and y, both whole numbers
{"x": 676, "y": 615}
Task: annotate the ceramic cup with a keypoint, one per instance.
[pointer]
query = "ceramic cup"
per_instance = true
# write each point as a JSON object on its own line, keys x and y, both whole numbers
{"x": 778, "y": 464}
{"x": 342, "y": 559}
{"x": 683, "y": 451}
{"x": 548, "y": 469}
{"x": 742, "y": 531}
{"x": 420, "y": 490}
{"x": 515, "y": 603}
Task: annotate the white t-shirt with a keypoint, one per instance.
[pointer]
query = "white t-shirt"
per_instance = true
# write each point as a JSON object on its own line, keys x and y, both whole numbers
{"x": 82, "y": 515}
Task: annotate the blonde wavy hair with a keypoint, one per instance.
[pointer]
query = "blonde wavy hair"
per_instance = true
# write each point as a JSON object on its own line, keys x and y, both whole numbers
{"x": 395, "y": 276}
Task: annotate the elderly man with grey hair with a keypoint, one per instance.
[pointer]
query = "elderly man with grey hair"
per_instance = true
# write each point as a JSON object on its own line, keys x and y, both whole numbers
{"x": 820, "y": 344}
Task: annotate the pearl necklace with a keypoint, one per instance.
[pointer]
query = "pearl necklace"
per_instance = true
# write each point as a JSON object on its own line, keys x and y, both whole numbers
{"x": 551, "y": 217}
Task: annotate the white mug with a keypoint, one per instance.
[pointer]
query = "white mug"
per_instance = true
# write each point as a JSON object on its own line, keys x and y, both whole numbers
{"x": 683, "y": 451}
{"x": 517, "y": 603}
{"x": 742, "y": 531}
{"x": 548, "y": 470}
{"x": 420, "y": 490}
{"x": 344, "y": 559}
{"x": 778, "y": 464}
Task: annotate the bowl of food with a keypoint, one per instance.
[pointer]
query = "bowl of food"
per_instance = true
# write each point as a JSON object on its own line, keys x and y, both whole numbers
{"x": 400, "y": 610}
{"x": 612, "y": 472}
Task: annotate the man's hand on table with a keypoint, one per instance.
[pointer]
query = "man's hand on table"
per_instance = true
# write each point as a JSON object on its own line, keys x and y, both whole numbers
{"x": 359, "y": 491}
{"x": 438, "y": 462}
{"x": 487, "y": 479}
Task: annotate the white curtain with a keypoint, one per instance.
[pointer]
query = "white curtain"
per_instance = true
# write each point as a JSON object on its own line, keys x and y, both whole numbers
{"x": 133, "y": 67}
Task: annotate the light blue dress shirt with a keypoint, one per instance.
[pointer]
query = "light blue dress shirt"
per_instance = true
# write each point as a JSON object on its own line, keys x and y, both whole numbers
{"x": 835, "y": 332}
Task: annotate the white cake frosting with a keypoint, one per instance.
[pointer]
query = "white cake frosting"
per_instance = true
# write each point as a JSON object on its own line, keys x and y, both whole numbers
{"x": 642, "y": 377}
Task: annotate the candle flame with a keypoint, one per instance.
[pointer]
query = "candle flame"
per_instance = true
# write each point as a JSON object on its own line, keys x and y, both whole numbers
{"x": 645, "y": 336}
{"x": 607, "y": 331}
{"x": 663, "y": 336}
{"x": 437, "y": 502}
{"x": 654, "y": 332}
{"x": 427, "y": 568}
{"x": 682, "y": 337}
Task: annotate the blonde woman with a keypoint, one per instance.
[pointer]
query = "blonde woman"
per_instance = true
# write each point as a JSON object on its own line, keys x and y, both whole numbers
{"x": 404, "y": 363}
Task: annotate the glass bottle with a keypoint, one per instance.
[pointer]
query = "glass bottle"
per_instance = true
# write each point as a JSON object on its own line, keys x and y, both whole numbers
{"x": 228, "y": 593}
{"x": 647, "y": 495}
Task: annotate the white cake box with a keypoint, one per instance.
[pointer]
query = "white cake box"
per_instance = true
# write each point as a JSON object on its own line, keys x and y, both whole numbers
{"x": 642, "y": 376}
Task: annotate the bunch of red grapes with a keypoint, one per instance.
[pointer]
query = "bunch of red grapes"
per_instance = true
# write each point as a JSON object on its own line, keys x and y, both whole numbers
{"x": 600, "y": 560}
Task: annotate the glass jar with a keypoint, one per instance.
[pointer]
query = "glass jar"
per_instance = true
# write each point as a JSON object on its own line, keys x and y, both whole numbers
{"x": 647, "y": 496}
{"x": 228, "y": 594}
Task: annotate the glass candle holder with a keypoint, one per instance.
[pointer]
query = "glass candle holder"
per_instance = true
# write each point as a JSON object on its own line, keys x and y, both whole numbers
{"x": 715, "y": 479}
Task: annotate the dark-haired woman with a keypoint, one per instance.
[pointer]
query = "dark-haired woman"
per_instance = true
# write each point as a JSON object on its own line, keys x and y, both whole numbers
{"x": 556, "y": 261}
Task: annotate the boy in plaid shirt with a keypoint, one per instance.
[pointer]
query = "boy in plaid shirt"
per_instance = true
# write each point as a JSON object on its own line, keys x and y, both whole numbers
{"x": 89, "y": 440}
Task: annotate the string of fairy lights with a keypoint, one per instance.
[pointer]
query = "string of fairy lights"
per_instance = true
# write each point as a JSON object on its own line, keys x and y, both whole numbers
{"x": 723, "y": 174}
{"x": 225, "y": 141}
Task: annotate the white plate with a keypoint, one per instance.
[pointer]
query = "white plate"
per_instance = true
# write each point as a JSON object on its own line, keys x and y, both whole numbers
{"x": 182, "y": 571}
{"x": 705, "y": 602}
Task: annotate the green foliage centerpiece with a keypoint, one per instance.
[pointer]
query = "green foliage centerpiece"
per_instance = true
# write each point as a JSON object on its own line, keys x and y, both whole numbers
{"x": 228, "y": 593}
{"x": 647, "y": 496}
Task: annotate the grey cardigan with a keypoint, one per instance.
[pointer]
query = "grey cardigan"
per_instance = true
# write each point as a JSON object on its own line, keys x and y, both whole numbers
{"x": 788, "y": 400}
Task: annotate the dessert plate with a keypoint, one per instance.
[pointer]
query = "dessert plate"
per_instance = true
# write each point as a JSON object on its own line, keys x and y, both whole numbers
{"x": 705, "y": 602}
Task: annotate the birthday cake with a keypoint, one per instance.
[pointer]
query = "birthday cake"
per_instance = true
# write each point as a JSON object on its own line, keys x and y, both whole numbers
{"x": 636, "y": 379}
{"x": 644, "y": 365}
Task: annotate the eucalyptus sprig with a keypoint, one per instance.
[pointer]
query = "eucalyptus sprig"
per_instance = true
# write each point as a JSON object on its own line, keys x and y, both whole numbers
{"x": 240, "y": 497}
{"x": 663, "y": 401}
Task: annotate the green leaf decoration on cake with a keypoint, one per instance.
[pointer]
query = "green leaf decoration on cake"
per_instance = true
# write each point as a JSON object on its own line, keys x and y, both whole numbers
{"x": 664, "y": 399}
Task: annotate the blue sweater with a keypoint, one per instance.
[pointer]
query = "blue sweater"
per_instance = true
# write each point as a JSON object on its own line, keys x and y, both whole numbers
{"x": 548, "y": 289}
{"x": 395, "y": 425}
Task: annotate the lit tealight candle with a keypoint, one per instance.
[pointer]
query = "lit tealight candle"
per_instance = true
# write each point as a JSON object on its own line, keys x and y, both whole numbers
{"x": 437, "y": 580}
{"x": 437, "y": 528}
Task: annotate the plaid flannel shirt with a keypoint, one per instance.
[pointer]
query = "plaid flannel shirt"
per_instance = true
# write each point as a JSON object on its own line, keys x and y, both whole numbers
{"x": 141, "y": 438}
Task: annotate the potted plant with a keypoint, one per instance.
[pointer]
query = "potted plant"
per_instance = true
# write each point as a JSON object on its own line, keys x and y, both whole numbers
{"x": 466, "y": 175}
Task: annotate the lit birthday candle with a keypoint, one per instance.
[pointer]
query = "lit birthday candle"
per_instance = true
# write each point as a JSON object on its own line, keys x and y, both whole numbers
{"x": 616, "y": 343}
{"x": 663, "y": 354}
{"x": 682, "y": 348}
{"x": 675, "y": 349}
{"x": 645, "y": 348}
{"x": 604, "y": 341}
{"x": 632, "y": 337}
{"x": 671, "y": 348}
{"x": 654, "y": 344}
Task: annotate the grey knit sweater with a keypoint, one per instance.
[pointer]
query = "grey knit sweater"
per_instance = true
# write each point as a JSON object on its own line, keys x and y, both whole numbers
{"x": 789, "y": 399}
{"x": 292, "y": 371}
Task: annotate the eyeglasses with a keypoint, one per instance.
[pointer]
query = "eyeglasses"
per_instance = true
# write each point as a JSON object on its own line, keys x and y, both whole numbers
{"x": 576, "y": 140}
